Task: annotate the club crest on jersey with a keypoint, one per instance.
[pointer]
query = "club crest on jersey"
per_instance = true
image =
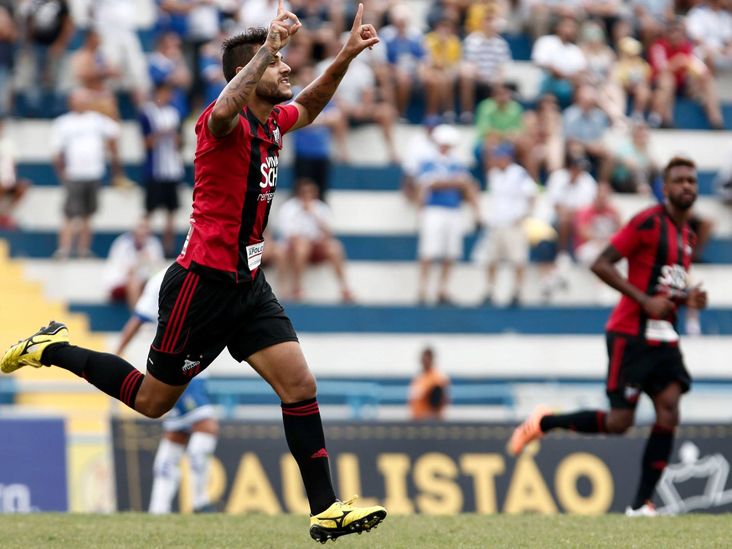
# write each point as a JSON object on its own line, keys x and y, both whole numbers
{"x": 268, "y": 169}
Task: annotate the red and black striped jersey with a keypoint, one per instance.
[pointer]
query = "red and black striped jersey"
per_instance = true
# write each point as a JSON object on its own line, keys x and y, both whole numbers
{"x": 659, "y": 256}
{"x": 235, "y": 181}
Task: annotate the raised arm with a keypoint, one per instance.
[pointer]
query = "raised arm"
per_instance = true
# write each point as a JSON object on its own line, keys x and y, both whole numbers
{"x": 239, "y": 90}
{"x": 315, "y": 97}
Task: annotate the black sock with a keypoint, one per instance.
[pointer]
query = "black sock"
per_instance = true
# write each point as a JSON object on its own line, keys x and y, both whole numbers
{"x": 304, "y": 434}
{"x": 109, "y": 373}
{"x": 655, "y": 457}
{"x": 586, "y": 421}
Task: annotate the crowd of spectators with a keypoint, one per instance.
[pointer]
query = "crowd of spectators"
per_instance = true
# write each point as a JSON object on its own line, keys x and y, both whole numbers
{"x": 605, "y": 66}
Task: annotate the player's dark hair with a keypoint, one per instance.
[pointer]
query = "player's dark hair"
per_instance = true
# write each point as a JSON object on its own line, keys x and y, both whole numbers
{"x": 238, "y": 50}
{"x": 677, "y": 161}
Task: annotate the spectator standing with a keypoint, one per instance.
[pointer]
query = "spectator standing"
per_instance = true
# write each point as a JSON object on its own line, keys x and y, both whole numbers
{"x": 167, "y": 64}
{"x": 91, "y": 70}
{"x": 79, "y": 140}
{"x": 444, "y": 182}
{"x": 304, "y": 225}
{"x": 428, "y": 396}
{"x": 48, "y": 30}
{"x": 544, "y": 138}
{"x": 12, "y": 188}
{"x": 313, "y": 144}
{"x": 420, "y": 149}
{"x": 562, "y": 61}
{"x": 485, "y": 55}
{"x": 676, "y": 69}
{"x": 163, "y": 169}
{"x": 512, "y": 193}
{"x": 116, "y": 23}
{"x": 133, "y": 258}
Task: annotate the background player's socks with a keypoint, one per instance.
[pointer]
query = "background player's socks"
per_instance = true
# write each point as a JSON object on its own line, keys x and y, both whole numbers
{"x": 166, "y": 476}
{"x": 586, "y": 421}
{"x": 304, "y": 434}
{"x": 200, "y": 449}
{"x": 655, "y": 457}
{"x": 109, "y": 373}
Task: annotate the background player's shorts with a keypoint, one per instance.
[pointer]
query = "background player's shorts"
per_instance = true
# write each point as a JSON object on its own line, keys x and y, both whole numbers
{"x": 636, "y": 366}
{"x": 194, "y": 405}
{"x": 441, "y": 233}
{"x": 199, "y": 316}
{"x": 81, "y": 198}
{"x": 161, "y": 194}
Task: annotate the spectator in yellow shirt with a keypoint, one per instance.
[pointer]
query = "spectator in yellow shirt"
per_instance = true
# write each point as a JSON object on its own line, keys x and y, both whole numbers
{"x": 444, "y": 52}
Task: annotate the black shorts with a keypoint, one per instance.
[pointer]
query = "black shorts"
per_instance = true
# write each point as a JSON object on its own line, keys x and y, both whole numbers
{"x": 636, "y": 366}
{"x": 161, "y": 194}
{"x": 199, "y": 316}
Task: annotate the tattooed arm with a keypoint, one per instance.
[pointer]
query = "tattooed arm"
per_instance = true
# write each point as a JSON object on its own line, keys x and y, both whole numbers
{"x": 239, "y": 90}
{"x": 313, "y": 99}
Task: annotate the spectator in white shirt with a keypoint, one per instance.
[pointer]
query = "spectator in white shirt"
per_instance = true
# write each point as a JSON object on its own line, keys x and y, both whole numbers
{"x": 79, "y": 141}
{"x": 512, "y": 192}
{"x": 133, "y": 258}
{"x": 568, "y": 191}
{"x": 709, "y": 25}
{"x": 561, "y": 59}
{"x": 304, "y": 225}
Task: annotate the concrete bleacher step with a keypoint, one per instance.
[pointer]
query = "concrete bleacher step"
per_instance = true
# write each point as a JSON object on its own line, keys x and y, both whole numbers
{"x": 24, "y": 310}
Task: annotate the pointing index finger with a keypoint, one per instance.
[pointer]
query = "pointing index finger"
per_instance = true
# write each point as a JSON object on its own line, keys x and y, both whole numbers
{"x": 280, "y": 7}
{"x": 359, "y": 17}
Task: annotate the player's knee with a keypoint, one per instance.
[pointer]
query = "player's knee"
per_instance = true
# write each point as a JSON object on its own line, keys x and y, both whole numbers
{"x": 618, "y": 424}
{"x": 152, "y": 408}
{"x": 302, "y": 387}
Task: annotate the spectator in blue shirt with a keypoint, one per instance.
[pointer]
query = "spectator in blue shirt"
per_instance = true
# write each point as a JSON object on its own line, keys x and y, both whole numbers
{"x": 585, "y": 126}
{"x": 444, "y": 183}
{"x": 167, "y": 64}
{"x": 405, "y": 54}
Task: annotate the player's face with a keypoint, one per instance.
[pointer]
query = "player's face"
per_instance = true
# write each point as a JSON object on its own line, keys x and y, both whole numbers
{"x": 680, "y": 187}
{"x": 274, "y": 86}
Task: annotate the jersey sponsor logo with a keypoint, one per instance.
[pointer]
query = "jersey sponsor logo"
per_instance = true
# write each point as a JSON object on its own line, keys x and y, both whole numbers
{"x": 673, "y": 281}
{"x": 254, "y": 255}
{"x": 268, "y": 169}
{"x": 277, "y": 137}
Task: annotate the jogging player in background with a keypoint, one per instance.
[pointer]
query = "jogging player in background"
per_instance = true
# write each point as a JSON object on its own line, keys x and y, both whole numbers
{"x": 190, "y": 428}
{"x": 215, "y": 296}
{"x": 642, "y": 336}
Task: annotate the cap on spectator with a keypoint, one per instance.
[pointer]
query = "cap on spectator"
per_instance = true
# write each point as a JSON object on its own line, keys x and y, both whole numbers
{"x": 446, "y": 135}
{"x": 503, "y": 150}
{"x": 630, "y": 46}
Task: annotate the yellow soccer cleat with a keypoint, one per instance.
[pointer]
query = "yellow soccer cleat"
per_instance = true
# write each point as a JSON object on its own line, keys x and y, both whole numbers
{"x": 527, "y": 432}
{"x": 27, "y": 352}
{"x": 343, "y": 518}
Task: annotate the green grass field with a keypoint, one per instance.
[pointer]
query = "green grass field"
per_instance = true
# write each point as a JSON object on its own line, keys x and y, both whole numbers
{"x": 178, "y": 531}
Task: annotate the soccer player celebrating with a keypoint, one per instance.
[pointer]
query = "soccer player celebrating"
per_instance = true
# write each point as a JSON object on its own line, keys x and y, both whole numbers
{"x": 642, "y": 338}
{"x": 215, "y": 295}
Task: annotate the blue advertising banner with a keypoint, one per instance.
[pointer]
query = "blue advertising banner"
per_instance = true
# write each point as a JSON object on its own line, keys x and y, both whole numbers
{"x": 441, "y": 469}
{"x": 33, "y": 477}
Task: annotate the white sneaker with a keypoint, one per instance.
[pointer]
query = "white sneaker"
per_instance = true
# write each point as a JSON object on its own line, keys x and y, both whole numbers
{"x": 645, "y": 510}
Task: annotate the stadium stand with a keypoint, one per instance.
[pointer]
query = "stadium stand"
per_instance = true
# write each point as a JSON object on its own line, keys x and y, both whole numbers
{"x": 505, "y": 350}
